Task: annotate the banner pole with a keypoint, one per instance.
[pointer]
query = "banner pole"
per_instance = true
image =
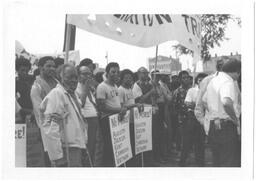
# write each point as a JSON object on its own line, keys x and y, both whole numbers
{"x": 156, "y": 62}
{"x": 67, "y": 43}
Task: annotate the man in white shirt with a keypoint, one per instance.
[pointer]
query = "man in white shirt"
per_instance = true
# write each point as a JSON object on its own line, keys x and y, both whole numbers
{"x": 85, "y": 89}
{"x": 108, "y": 102}
{"x": 222, "y": 104}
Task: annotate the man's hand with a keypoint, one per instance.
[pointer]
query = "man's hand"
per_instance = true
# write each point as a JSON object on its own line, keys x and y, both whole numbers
{"x": 122, "y": 113}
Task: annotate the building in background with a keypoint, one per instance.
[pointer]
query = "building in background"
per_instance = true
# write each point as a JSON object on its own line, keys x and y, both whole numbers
{"x": 165, "y": 64}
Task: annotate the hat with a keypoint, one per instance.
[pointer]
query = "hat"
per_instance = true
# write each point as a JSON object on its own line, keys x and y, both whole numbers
{"x": 142, "y": 69}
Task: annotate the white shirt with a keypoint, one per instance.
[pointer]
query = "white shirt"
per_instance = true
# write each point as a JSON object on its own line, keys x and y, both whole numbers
{"x": 59, "y": 101}
{"x": 192, "y": 94}
{"x": 136, "y": 90}
{"x": 110, "y": 94}
{"x": 220, "y": 87}
{"x": 88, "y": 110}
{"x": 126, "y": 96}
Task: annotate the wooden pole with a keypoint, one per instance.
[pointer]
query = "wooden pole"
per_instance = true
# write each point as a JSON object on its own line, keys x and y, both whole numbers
{"x": 67, "y": 43}
{"x": 156, "y": 62}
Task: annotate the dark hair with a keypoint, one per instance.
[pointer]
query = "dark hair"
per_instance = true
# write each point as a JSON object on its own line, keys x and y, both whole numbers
{"x": 232, "y": 65}
{"x": 200, "y": 75}
{"x": 85, "y": 62}
{"x": 43, "y": 60}
{"x": 124, "y": 72}
{"x": 182, "y": 72}
{"x": 19, "y": 62}
{"x": 58, "y": 61}
{"x": 99, "y": 77}
{"x": 36, "y": 72}
{"x": 110, "y": 65}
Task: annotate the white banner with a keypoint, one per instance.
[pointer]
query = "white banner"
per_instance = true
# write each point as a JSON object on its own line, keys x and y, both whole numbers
{"x": 143, "y": 129}
{"x": 20, "y": 145}
{"x": 143, "y": 30}
{"x": 120, "y": 137}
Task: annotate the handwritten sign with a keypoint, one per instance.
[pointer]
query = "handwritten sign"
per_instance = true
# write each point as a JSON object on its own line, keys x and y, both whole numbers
{"x": 120, "y": 136}
{"x": 20, "y": 145}
{"x": 143, "y": 129}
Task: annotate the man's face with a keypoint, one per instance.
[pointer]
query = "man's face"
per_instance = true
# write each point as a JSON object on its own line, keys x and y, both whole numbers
{"x": 23, "y": 72}
{"x": 143, "y": 76}
{"x": 85, "y": 74}
{"x": 113, "y": 74}
{"x": 128, "y": 80}
{"x": 185, "y": 79}
{"x": 70, "y": 79}
{"x": 49, "y": 68}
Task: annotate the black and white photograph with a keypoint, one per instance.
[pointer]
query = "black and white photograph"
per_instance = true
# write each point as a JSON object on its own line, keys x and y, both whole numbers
{"x": 131, "y": 95}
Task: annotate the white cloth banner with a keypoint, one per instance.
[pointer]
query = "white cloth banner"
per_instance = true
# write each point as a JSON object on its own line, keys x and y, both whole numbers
{"x": 120, "y": 137}
{"x": 143, "y": 129}
{"x": 20, "y": 145}
{"x": 143, "y": 30}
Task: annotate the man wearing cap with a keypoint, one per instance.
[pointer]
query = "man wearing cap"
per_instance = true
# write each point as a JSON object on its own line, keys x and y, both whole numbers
{"x": 143, "y": 92}
{"x": 224, "y": 110}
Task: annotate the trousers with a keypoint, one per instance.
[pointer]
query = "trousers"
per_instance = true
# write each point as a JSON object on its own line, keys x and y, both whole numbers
{"x": 192, "y": 135}
{"x": 224, "y": 144}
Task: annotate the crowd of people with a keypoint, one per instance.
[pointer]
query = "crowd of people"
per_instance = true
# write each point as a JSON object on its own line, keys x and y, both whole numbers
{"x": 70, "y": 105}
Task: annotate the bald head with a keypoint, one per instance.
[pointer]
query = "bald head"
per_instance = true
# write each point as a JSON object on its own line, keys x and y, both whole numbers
{"x": 69, "y": 77}
{"x": 84, "y": 74}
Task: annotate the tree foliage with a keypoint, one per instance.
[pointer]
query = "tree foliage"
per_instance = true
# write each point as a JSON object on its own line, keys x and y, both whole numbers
{"x": 213, "y": 33}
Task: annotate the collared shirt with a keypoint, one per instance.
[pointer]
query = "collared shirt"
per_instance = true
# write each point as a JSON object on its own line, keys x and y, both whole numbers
{"x": 220, "y": 87}
{"x": 201, "y": 111}
{"x": 60, "y": 102}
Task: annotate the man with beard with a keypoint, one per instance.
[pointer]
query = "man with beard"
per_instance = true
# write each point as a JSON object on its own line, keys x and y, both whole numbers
{"x": 63, "y": 125}
{"x": 43, "y": 84}
{"x": 109, "y": 103}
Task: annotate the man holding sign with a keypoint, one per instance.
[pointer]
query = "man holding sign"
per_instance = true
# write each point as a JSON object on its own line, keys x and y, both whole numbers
{"x": 109, "y": 103}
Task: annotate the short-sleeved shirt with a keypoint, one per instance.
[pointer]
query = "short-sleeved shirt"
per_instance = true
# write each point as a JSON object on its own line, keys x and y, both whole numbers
{"x": 126, "y": 96}
{"x": 220, "y": 87}
{"x": 192, "y": 94}
{"x": 109, "y": 94}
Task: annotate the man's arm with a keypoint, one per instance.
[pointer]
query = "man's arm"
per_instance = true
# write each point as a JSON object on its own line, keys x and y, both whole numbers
{"x": 36, "y": 101}
{"x": 229, "y": 109}
{"x": 51, "y": 125}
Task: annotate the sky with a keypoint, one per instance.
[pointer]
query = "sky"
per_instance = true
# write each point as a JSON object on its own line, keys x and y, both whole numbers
{"x": 41, "y": 31}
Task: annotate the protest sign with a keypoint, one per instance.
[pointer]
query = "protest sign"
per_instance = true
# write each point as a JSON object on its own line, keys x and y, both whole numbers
{"x": 143, "y": 129}
{"x": 20, "y": 145}
{"x": 120, "y": 137}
